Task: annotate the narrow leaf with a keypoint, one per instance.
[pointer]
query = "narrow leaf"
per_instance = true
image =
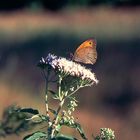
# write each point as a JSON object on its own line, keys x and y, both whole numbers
{"x": 64, "y": 137}
{"x": 35, "y": 119}
{"x": 52, "y": 92}
{"x": 77, "y": 126}
{"x": 29, "y": 110}
{"x": 80, "y": 130}
{"x": 36, "y": 136}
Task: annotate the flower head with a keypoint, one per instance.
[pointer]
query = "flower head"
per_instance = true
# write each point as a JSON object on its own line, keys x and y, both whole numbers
{"x": 107, "y": 134}
{"x": 68, "y": 67}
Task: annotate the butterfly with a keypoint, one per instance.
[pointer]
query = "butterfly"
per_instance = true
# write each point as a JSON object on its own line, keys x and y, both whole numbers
{"x": 86, "y": 53}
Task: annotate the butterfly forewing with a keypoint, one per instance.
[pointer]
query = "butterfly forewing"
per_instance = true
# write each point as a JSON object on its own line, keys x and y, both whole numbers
{"x": 86, "y": 53}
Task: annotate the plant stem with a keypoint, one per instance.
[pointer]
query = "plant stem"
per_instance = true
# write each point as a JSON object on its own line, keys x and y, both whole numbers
{"x": 59, "y": 87}
{"x": 46, "y": 76}
{"x": 46, "y": 92}
{"x": 61, "y": 98}
{"x": 55, "y": 120}
{"x": 77, "y": 90}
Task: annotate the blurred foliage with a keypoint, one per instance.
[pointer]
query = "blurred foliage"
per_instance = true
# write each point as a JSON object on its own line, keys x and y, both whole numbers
{"x": 59, "y": 4}
{"x": 14, "y": 121}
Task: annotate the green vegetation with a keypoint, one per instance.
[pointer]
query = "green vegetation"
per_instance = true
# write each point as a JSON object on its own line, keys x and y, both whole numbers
{"x": 69, "y": 77}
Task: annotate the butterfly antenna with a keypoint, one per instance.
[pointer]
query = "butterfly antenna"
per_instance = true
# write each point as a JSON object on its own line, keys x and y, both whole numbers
{"x": 70, "y": 55}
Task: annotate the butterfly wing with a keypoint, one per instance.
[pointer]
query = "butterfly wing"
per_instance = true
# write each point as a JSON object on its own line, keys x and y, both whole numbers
{"x": 87, "y": 55}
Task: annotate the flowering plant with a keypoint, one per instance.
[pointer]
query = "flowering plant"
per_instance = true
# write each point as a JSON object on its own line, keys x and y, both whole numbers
{"x": 69, "y": 77}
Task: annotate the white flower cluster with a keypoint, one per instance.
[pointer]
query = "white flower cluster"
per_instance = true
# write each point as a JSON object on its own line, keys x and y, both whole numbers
{"x": 107, "y": 133}
{"x": 69, "y": 67}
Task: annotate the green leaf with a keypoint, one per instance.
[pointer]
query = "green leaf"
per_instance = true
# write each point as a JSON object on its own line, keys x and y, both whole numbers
{"x": 80, "y": 130}
{"x": 14, "y": 121}
{"x": 54, "y": 94}
{"x": 56, "y": 97}
{"x": 97, "y": 138}
{"x": 77, "y": 126}
{"x": 64, "y": 137}
{"x": 36, "y": 136}
{"x": 36, "y": 119}
{"x": 58, "y": 127}
{"x": 30, "y": 110}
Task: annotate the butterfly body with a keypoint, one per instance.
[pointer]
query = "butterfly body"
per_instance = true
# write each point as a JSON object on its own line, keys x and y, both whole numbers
{"x": 86, "y": 52}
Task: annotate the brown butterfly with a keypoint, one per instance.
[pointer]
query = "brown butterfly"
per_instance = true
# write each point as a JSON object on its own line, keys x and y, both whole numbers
{"x": 86, "y": 52}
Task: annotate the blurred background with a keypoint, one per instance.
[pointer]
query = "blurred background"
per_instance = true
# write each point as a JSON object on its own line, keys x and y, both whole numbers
{"x": 31, "y": 29}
